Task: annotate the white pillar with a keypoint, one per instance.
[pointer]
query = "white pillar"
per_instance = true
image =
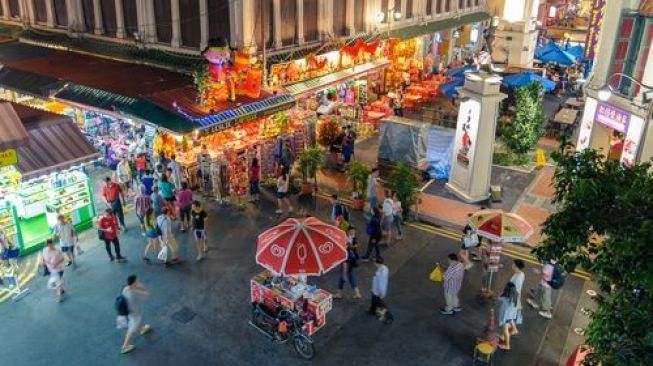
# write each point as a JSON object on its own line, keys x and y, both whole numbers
{"x": 141, "y": 18}
{"x": 78, "y": 14}
{"x": 401, "y": 4}
{"x": 349, "y": 18}
{"x": 97, "y": 15}
{"x": 418, "y": 9}
{"x": 30, "y": 11}
{"x": 176, "y": 24}
{"x": 300, "y": 21}
{"x": 276, "y": 30}
{"x": 5, "y": 9}
{"x": 120, "y": 19}
{"x": 247, "y": 12}
{"x": 204, "y": 24}
{"x": 49, "y": 10}
{"x": 150, "y": 22}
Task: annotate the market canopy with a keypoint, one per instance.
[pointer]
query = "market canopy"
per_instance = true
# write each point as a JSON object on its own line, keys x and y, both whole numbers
{"x": 525, "y": 78}
{"x": 13, "y": 132}
{"x": 551, "y": 46}
{"x": 28, "y": 83}
{"x": 558, "y": 56}
{"x": 577, "y": 51}
{"x": 460, "y": 71}
{"x": 450, "y": 87}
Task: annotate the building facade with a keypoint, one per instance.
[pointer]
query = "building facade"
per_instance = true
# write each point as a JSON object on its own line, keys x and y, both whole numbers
{"x": 188, "y": 25}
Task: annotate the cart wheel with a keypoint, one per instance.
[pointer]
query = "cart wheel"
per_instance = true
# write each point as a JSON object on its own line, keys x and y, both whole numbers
{"x": 304, "y": 347}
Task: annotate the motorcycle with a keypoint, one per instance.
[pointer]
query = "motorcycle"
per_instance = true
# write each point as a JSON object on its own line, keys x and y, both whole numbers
{"x": 281, "y": 326}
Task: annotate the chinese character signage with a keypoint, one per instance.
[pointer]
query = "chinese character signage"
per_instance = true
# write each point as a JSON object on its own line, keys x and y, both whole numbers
{"x": 594, "y": 29}
{"x": 612, "y": 117}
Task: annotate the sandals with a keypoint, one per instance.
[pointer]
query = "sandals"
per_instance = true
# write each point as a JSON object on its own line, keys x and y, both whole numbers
{"x": 146, "y": 329}
{"x": 127, "y": 349}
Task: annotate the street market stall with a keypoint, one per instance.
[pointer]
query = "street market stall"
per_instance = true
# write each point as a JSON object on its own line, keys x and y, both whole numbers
{"x": 285, "y": 307}
{"x": 36, "y": 187}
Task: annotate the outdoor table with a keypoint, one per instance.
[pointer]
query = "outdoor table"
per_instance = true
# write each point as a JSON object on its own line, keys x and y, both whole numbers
{"x": 574, "y": 103}
{"x": 565, "y": 118}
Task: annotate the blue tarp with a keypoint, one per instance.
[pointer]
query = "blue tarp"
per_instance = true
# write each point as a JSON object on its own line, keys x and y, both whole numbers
{"x": 558, "y": 56}
{"x": 438, "y": 151}
{"x": 449, "y": 88}
{"x": 576, "y": 51}
{"x": 460, "y": 72}
{"x": 539, "y": 51}
{"x": 525, "y": 78}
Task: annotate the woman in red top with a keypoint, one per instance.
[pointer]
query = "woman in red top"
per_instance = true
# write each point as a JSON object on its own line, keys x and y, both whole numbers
{"x": 254, "y": 176}
{"x": 141, "y": 165}
{"x": 108, "y": 230}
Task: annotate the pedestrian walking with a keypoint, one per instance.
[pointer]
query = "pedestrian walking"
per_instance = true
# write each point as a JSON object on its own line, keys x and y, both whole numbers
{"x": 164, "y": 222}
{"x": 541, "y": 297}
{"x": 147, "y": 180}
{"x": 184, "y": 202}
{"x": 167, "y": 191}
{"x": 67, "y": 235}
{"x": 109, "y": 231}
{"x": 338, "y": 209}
{"x": 175, "y": 168}
{"x": 123, "y": 174}
{"x": 54, "y": 262}
{"x": 254, "y": 176}
{"x": 114, "y": 196}
{"x": 507, "y": 314}
{"x": 283, "y": 183}
{"x": 467, "y": 242}
{"x": 199, "y": 218}
{"x": 379, "y": 287}
{"x": 135, "y": 295}
{"x": 142, "y": 203}
{"x": 453, "y": 279}
{"x": 372, "y": 187}
{"x": 397, "y": 212}
{"x": 388, "y": 217}
{"x": 141, "y": 166}
{"x": 158, "y": 203}
{"x": 373, "y": 230}
{"x": 152, "y": 234}
{"x": 517, "y": 279}
{"x": 348, "y": 268}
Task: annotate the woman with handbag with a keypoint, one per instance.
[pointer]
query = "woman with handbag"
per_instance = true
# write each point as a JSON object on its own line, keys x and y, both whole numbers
{"x": 348, "y": 268}
{"x": 53, "y": 260}
{"x": 152, "y": 234}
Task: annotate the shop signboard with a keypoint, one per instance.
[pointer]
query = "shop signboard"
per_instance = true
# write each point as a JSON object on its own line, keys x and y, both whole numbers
{"x": 594, "y": 29}
{"x": 586, "y": 124}
{"x": 631, "y": 143}
{"x": 8, "y": 157}
{"x": 613, "y": 117}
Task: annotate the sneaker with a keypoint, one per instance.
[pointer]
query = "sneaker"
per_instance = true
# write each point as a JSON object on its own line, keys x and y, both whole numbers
{"x": 533, "y": 304}
{"x": 127, "y": 349}
{"x": 545, "y": 314}
{"x": 279, "y": 211}
{"x": 69, "y": 263}
{"x": 458, "y": 309}
{"x": 145, "y": 329}
{"x": 198, "y": 258}
{"x": 444, "y": 311}
{"x": 121, "y": 259}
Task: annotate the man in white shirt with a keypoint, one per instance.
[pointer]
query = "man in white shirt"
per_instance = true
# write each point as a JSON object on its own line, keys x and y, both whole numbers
{"x": 379, "y": 286}
{"x": 167, "y": 237}
{"x": 175, "y": 167}
{"x": 388, "y": 217}
{"x": 67, "y": 237}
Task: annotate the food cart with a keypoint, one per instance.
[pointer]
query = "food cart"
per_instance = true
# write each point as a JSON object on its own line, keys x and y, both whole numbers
{"x": 284, "y": 306}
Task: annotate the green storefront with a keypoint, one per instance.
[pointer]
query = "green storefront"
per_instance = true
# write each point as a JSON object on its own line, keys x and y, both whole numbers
{"x": 42, "y": 176}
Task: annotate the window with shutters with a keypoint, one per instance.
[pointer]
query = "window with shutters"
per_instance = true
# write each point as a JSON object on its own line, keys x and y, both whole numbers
{"x": 461, "y": 4}
{"x": 438, "y": 6}
{"x": 447, "y": 6}
{"x": 630, "y": 53}
{"x": 409, "y": 9}
{"x": 429, "y": 7}
{"x": 647, "y": 38}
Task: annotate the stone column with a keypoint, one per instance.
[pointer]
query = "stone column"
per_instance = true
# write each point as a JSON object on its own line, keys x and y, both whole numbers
{"x": 5, "y": 9}
{"x": 204, "y": 25}
{"x": 49, "y": 9}
{"x": 276, "y": 23}
{"x": 150, "y": 21}
{"x": 247, "y": 12}
{"x": 120, "y": 20}
{"x": 97, "y": 15}
{"x": 176, "y": 24}
{"x": 78, "y": 14}
{"x": 350, "y": 18}
{"x": 30, "y": 11}
{"x": 300, "y": 21}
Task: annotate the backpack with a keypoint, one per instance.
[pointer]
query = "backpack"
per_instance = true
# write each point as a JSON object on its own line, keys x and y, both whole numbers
{"x": 557, "y": 278}
{"x": 121, "y": 305}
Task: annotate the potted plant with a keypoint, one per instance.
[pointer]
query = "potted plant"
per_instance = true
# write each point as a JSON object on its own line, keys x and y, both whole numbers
{"x": 357, "y": 173}
{"x": 309, "y": 161}
{"x": 404, "y": 182}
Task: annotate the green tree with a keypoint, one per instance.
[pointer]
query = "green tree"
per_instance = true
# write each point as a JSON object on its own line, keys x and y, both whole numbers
{"x": 604, "y": 223}
{"x": 523, "y": 131}
{"x": 403, "y": 181}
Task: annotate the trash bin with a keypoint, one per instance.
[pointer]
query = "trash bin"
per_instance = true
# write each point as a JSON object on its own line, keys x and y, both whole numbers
{"x": 495, "y": 193}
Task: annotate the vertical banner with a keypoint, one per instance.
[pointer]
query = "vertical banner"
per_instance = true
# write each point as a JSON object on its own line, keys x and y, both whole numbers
{"x": 586, "y": 124}
{"x": 464, "y": 146}
{"x": 633, "y": 138}
{"x": 594, "y": 28}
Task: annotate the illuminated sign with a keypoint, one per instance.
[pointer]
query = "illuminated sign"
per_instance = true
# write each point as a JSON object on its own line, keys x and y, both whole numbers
{"x": 8, "y": 157}
{"x": 594, "y": 29}
{"x": 612, "y": 117}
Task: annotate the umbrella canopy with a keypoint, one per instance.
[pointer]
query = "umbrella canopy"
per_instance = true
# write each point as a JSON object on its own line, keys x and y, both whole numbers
{"x": 558, "y": 56}
{"x": 551, "y": 46}
{"x": 301, "y": 247}
{"x": 576, "y": 51}
{"x": 500, "y": 226}
{"x": 525, "y": 78}
{"x": 460, "y": 71}
{"x": 449, "y": 88}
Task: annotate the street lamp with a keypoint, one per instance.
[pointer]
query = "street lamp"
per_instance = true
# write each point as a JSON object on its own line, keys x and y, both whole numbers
{"x": 605, "y": 92}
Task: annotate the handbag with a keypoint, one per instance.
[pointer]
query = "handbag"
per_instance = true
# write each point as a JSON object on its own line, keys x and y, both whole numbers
{"x": 100, "y": 234}
{"x": 78, "y": 250}
{"x": 436, "y": 274}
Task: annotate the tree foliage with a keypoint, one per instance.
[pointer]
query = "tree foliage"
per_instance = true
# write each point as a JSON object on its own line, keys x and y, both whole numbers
{"x": 523, "y": 131}
{"x": 403, "y": 181}
{"x": 604, "y": 223}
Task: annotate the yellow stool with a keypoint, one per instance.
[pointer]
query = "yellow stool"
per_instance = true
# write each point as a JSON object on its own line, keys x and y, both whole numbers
{"x": 483, "y": 353}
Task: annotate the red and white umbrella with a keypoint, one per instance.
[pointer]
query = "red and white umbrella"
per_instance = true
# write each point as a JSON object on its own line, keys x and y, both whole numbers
{"x": 301, "y": 247}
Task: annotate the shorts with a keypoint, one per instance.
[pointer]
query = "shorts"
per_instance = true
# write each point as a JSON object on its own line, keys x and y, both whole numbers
{"x": 68, "y": 248}
{"x": 184, "y": 213}
{"x": 387, "y": 222}
{"x": 170, "y": 199}
{"x": 199, "y": 234}
{"x": 134, "y": 322}
{"x": 152, "y": 234}
{"x": 281, "y": 195}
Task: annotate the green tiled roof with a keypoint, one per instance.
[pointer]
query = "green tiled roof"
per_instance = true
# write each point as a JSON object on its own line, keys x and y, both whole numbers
{"x": 28, "y": 83}
{"x": 437, "y": 25}
{"x": 308, "y": 85}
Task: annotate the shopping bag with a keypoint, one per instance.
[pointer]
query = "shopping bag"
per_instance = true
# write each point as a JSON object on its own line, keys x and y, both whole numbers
{"x": 163, "y": 254}
{"x": 436, "y": 274}
{"x": 78, "y": 250}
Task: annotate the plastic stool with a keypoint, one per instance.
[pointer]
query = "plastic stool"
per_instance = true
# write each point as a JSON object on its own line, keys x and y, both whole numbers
{"x": 483, "y": 353}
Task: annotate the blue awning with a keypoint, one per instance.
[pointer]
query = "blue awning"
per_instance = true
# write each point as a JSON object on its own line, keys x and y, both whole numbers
{"x": 525, "y": 78}
{"x": 460, "y": 71}
{"x": 558, "y": 56}
{"x": 450, "y": 88}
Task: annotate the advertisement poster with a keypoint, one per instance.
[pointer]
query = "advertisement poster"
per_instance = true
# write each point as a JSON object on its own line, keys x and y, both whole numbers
{"x": 613, "y": 117}
{"x": 586, "y": 124}
{"x": 465, "y": 142}
{"x": 631, "y": 143}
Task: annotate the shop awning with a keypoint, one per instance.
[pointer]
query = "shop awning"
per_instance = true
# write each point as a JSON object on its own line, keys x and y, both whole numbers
{"x": 12, "y": 131}
{"x": 139, "y": 108}
{"x": 28, "y": 83}
{"x": 316, "y": 84}
{"x": 437, "y": 25}
{"x": 54, "y": 143}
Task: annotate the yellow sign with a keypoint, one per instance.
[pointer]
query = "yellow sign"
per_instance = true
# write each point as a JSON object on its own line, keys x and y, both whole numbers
{"x": 8, "y": 157}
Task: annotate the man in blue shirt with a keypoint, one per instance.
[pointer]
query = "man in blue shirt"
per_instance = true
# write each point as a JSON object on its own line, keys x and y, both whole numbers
{"x": 148, "y": 181}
